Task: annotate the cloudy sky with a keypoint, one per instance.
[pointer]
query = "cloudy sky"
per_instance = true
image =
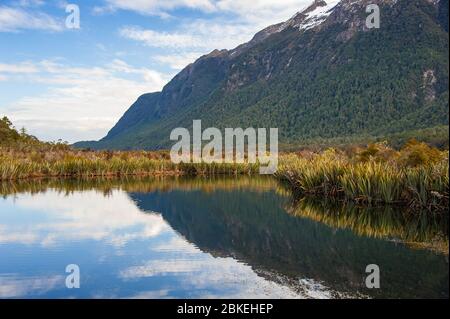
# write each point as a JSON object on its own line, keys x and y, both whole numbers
{"x": 74, "y": 84}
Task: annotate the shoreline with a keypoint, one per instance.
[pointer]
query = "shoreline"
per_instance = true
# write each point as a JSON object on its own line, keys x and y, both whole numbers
{"x": 416, "y": 176}
{"x": 289, "y": 185}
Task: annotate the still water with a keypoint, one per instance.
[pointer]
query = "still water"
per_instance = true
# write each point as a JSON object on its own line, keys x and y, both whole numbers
{"x": 204, "y": 238}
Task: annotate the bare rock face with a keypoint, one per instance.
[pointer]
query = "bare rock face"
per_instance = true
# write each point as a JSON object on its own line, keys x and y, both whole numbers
{"x": 429, "y": 81}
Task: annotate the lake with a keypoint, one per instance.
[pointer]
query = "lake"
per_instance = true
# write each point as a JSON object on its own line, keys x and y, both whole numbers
{"x": 210, "y": 238}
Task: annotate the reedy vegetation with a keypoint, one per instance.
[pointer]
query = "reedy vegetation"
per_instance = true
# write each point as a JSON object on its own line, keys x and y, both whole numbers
{"x": 416, "y": 176}
{"x": 18, "y": 165}
{"x": 24, "y": 156}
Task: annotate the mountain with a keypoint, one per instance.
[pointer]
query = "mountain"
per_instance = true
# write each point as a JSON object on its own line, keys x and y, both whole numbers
{"x": 321, "y": 75}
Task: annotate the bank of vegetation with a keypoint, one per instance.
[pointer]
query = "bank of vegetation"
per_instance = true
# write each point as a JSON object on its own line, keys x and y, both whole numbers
{"x": 415, "y": 175}
{"x": 23, "y": 156}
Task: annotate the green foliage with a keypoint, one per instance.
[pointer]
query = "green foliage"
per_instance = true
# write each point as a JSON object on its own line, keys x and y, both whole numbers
{"x": 10, "y": 138}
{"x": 313, "y": 86}
{"x": 374, "y": 175}
{"x": 8, "y": 135}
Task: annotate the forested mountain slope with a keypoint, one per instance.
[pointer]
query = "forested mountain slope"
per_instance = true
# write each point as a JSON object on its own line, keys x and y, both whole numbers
{"x": 321, "y": 75}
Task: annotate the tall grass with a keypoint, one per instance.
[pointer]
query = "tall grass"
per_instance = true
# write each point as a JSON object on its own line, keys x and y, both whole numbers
{"x": 416, "y": 176}
{"x": 371, "y": 179}
{"x": 21, "y": 165}
{"x": 371, "y": 182}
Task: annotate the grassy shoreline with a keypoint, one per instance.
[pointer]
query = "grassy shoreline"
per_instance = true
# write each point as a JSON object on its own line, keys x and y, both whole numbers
{"x": 417, "y": 176}
{"x": 375, "y": 179}
{"x": 16, "y": 165}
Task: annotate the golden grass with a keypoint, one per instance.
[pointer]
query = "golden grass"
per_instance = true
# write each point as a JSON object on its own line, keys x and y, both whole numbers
{"x": 373, "y": 179}
{"x": 70, "y": 163}
{"x": 416, "y": 176}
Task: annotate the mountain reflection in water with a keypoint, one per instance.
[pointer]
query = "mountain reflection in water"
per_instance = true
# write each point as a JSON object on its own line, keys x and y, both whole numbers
{"x": 190, "y": 238}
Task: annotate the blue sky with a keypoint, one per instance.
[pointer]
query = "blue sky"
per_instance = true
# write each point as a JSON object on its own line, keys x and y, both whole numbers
{"x": 74, "y": 84}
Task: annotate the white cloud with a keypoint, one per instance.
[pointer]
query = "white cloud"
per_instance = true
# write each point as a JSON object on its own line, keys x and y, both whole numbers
{"x": 81, "y": 216}
{"x": 198, "y": 272}
{"x": 160, "y": 39}
{"x": 30, "y": 3}
{"x": 235, "y": 22}
{"x": 24, "y": 67}
{"x": 15, "y": 286}
{"x": 13, "y": 19}
{"x": 154, "y": 7}
{"x": 80, "y": 102}
{"x": 178, "y": 61}
{"x": 201, "y": 35}
{"x": 256, "y": 10}
{"x": 263, "y": 11}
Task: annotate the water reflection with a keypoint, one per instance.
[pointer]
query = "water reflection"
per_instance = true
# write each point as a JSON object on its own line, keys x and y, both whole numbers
{"x": 182, "y": 238}
{"x": 418, "y": 229}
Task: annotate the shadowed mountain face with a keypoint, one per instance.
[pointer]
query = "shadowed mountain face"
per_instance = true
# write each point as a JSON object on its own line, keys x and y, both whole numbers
{"x": 322, "y": 74}
{"x": 255, "y": 228}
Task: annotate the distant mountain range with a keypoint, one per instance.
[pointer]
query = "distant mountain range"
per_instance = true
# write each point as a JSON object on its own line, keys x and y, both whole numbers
{"x": 319, "y": 76}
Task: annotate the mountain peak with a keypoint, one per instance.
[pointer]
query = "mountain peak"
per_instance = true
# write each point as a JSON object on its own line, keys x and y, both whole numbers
{"x": 312, "y": 16}
{"x": 315, "y": 14}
